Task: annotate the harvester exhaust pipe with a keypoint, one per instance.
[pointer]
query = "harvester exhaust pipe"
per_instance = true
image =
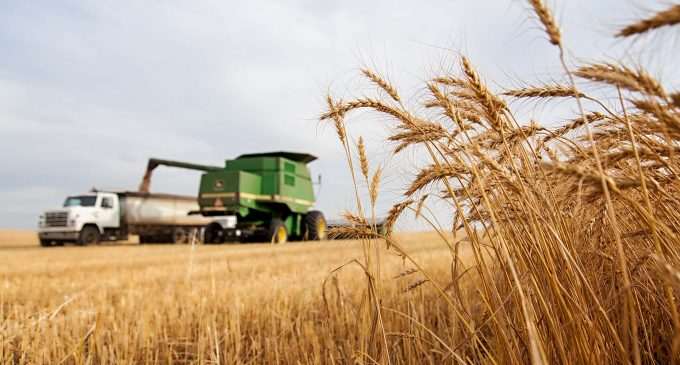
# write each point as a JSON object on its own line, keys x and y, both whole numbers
{"x": 145, "y": 185}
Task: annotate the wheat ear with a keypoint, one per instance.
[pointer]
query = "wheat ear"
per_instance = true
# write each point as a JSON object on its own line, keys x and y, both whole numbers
{"x": 668, "y": 17}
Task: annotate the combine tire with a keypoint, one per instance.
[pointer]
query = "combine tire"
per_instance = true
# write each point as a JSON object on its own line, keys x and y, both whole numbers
{"x": 315, "y": 226}
{"x": 88, "y": 235}
{"x": 278, "y": 234}
{"x": 214, "y": 233}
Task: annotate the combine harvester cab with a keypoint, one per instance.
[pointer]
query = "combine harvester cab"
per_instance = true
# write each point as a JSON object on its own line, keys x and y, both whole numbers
{"x": 270, "y": 195}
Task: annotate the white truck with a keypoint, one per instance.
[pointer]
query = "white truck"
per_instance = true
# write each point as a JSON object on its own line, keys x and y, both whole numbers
{"x": 110, "y": 216}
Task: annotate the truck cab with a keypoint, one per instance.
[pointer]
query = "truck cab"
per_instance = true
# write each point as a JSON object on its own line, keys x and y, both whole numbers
{"x": 84, "y": 218}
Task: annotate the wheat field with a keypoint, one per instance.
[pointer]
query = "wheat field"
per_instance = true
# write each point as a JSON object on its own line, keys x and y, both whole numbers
{"x": 581, "y": 259}
{"x": 566, "y": 246}
{"x": 226, "y": 304}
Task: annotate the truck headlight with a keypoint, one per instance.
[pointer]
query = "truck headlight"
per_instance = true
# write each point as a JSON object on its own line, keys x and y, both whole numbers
{"x": 72, "y": 220}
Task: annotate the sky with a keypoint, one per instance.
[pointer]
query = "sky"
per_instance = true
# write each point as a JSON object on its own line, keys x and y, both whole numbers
{"x": 90, "y": 90}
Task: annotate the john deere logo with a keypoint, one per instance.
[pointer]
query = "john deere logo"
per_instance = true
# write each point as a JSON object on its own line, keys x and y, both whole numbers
{"x": 219, "y": 184}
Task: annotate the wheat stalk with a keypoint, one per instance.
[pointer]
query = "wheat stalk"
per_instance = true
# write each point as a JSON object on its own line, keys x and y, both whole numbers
{"x": 354, "y": 219}
{"x": 363, "y": 159}
{"x": 622, "y": 76}
{"x": 543, "y": 220}
{"x": 575, "y": 124}
{"x": 374, "y": 186}
{"x": 421, "y": 204}
{"x": 384, "y": 85}
{"x": 545, "y": 91}
{"x": 415, "y": 285}
{"x": 492, "y": 104}
{"x": 675, "y": 99}
{"x": 336, "y": 115}
{"x": 394, "y": 214}
{"x": 668, "y": 17}
{"x": 546, "y": 18}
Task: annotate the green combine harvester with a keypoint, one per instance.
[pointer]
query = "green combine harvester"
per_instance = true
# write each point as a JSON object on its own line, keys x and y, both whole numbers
{"x": 255, "y": 197}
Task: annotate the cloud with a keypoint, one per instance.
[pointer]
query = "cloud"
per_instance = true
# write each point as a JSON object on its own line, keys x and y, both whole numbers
{"x": 90, "y": 90}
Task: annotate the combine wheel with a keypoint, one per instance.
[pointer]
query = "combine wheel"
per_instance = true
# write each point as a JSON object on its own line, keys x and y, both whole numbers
{"x": 315, "y": 226}
{"x": 89, "y": 235}
{"x": 214, "y": 233}
{"x": 278, "y": 234}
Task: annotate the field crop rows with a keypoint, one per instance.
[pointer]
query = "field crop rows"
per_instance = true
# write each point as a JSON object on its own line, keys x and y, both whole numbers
{"x": 208, "y": 304}
{"x": 578, "y": 260}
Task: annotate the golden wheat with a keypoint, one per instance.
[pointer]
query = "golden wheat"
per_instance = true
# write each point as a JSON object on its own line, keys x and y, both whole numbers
{"x": 129, "y": 304}
{"x": 668, "y": 17}
{"x": 580, "y": 255}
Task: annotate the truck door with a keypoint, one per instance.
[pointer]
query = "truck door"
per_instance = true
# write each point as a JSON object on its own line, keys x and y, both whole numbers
{"x": 109, "y": 213}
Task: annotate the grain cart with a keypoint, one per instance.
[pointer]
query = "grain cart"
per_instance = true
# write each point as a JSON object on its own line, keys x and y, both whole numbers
{"x": 270, "y": 194}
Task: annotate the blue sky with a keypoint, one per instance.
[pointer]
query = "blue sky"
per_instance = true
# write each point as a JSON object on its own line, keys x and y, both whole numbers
{"x": 90, "y": 90}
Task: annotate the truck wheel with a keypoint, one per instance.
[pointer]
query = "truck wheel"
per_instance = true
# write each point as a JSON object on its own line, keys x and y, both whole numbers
{"x": 214, "y": 233}
{"x": 315, "y": 226}
{"x": 195, "y": 236}
{"x": 45, "y": 243}
{"x": 88, "y": 235}
{"x": 278, "y": 234}
{"x": 153, "y": 239}
{"x": 180, "y": 236}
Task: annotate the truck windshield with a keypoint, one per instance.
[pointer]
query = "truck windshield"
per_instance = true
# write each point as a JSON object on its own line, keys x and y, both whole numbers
{"x": 80, "y": 201}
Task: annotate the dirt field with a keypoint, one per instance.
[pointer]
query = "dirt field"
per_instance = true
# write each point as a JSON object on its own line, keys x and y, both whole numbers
{"x": 17, "y": 238}
{"x": 205, "y": 304}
